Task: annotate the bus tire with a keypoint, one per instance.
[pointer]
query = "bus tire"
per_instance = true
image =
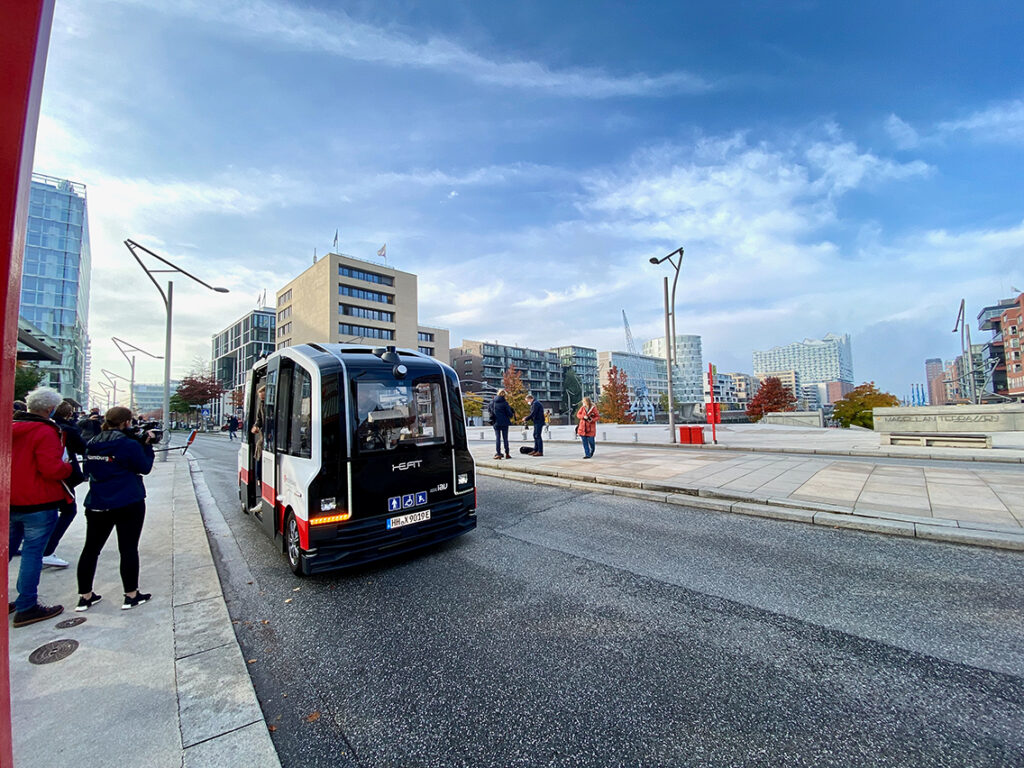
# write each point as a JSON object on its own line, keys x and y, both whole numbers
{"x": 291, "y": 545}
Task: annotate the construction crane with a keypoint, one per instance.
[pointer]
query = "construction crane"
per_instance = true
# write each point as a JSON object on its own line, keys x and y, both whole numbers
{"x": 641, "y": 407}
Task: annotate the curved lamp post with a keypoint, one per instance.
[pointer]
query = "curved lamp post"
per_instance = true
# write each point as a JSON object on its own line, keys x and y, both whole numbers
{"x": 123, "y": 345}
{"x": 134, "y": 248}
{"x": 676, "y": 260}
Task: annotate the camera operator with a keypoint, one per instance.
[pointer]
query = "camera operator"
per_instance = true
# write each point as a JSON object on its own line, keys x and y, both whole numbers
{"x": 115, "y": 461}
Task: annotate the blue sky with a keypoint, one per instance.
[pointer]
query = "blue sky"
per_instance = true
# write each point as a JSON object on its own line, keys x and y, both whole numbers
{"x": 848, "y": 168}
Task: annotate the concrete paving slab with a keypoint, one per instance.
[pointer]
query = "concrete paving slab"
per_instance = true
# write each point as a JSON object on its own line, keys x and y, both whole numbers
{"x": 975, "y": 497}
{"x": 201, "y": 626}
{"x": 776, "y": 513}
{"x": 701, "y": 502}
{"x": 250, "y": 746}
{"x": 215, "y": 696}
{"x": 899, "y": 502}
{"x": 196, "y": 584}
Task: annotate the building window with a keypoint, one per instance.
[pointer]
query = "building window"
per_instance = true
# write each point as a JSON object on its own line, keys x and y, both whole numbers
{"x": 423, "y": 336}
{"x": 284, "y": 314}
{"x": 366, "y": 314}
{"x": 284, "y": 330}
{"x": 361, "y": 293}
{"x": 365, "y": 332}
{"x": 285, "y": 297}
{"x": 427, "y": 350}
{"x": 370, "y": 277}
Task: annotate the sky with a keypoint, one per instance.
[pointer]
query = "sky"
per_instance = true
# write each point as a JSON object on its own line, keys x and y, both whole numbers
{"x": 827, "y": 167}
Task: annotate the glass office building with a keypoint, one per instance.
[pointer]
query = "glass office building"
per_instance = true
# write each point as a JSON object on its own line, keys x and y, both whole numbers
{"x": 55, "y": 279}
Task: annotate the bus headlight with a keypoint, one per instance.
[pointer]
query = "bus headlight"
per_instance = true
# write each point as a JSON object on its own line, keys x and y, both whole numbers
{"x": 326, "y": 505}
{"x": 463, "y": 479}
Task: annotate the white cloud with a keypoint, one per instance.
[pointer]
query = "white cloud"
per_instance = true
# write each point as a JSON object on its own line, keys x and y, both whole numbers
{"x": 901, "y": 132}
{"x": 337, "y": 34}
{"x": 1002, "y": 122}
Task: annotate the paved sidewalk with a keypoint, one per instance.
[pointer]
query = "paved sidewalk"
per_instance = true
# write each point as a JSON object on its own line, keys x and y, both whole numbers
{"x": 163, "y": 684}
{"x": 948, "y": 502}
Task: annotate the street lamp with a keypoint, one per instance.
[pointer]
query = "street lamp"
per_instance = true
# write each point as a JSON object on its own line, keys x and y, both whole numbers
{"x": 965, "y": 328}
{"x": 168, "y": 297}
{"x": 676, "y": 260}
{"x": 112, "y": 380}
{"x": 131, "y": 362}
{"x": 106, "y": 391}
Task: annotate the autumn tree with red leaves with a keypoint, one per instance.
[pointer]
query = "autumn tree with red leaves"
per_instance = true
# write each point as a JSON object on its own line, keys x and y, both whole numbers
{"x": 614, "y": 403}
{"x": 515, "y": 391}
{"x": 199, "y": 389}
{"x": 771, "y": 397}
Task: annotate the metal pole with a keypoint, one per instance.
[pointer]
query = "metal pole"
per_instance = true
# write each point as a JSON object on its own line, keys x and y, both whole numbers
{"x": 131, "y": 394}
{"x": 972, "y": 384}
{"x": 167, "y": 370}
{"x": 668, "y": 362}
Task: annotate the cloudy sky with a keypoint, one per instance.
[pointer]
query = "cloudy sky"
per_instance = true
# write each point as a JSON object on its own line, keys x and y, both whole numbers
{"x": 828, "y": 167}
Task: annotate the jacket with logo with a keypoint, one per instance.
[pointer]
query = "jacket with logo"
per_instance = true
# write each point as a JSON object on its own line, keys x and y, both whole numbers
{"x": 114, "y": 464}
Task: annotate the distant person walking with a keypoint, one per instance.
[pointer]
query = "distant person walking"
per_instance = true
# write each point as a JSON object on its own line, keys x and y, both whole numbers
{"x": 38, "y": 468}
{"x": 501, "y": 417}
{"x": 232, "y": 426}
{"x": 537, "y": 417}
{"x": 115, "y": 461}
{"x": 587, "y": 428}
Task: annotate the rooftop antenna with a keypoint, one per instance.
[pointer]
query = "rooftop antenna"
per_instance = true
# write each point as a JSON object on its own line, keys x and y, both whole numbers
{"x": 314, "y": 255}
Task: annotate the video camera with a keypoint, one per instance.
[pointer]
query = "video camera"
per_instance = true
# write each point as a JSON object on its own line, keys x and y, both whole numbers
{"x": 140, "y": 432}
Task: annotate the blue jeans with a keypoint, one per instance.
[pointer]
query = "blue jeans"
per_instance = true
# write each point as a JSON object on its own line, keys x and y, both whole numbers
{"x": 33, "y": 530}
{"x": 588, "y": 445}
{"x": 499, "y": 433}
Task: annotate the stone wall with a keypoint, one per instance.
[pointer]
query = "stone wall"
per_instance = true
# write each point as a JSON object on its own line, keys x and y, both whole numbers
{"x": 1004, "y": 417}
{"x": 795, "y": 418}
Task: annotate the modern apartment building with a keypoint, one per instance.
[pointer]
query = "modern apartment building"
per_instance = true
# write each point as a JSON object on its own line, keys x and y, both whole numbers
{"x": 1003, "y": 358}
{"x": 689, "y": 372}
{"x": 791, "y": 380}
{"x": 55, "y": 279}
{"x": 933, "y": 373}
{"x": 344, "y": 299}
{"x": 745, "y": 386}
{"x": 539, "y": 369}
{"x": 725, "y": 391}
{"x": 1012, "y": 324}
{"x": 236, "y": 349}
{"x": 150, "y": 397}
{"x": 828, "y": 359}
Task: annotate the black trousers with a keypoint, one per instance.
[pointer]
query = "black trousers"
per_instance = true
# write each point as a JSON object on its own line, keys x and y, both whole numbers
{"x": 128, "y": 521}
{"x": 538, "y": 440}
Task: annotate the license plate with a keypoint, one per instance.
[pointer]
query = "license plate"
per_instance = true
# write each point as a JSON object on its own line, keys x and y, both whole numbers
{"x": 413, "y": 517}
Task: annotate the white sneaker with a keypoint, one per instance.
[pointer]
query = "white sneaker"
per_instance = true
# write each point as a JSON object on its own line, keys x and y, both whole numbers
{"x": 55, "y": 562}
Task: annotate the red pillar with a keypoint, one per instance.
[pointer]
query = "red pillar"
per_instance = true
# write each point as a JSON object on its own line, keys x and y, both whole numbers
{"x": 24, "y": 37}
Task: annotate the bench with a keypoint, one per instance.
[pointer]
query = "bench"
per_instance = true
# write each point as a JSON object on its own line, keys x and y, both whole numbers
{"x": 937, "y": 439}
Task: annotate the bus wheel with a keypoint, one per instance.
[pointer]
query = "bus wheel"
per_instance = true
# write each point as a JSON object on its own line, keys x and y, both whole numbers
{"x": 291, "y": 544}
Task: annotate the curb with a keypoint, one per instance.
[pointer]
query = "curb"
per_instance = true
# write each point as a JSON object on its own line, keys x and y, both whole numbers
{"x": 220, "y": 717}
{"x": 798, "y": 452}
{"x": 736, "y": 502}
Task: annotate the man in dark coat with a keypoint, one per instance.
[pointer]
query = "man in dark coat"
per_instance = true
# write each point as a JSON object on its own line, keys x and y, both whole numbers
{"x": 89, "y": 426}
{"x": 537, "y": 417}
{"x": 501, "y": 417}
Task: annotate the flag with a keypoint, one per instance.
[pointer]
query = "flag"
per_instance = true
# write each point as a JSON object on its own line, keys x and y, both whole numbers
{"x": 383, "y": 252}
{"x": 335, "y": 239}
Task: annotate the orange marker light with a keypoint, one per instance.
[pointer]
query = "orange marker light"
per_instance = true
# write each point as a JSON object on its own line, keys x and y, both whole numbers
{"x": 325, "y": 519}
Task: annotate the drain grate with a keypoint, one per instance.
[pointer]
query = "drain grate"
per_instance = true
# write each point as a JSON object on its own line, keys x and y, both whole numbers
{"x": 72, "y": 622}
{"x": 55, "y": 651}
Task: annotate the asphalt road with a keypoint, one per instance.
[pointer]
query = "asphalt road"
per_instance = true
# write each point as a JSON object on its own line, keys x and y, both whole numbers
{"x": 587, "y": 630}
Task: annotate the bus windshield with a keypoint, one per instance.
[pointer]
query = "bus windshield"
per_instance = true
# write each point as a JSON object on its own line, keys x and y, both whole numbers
{"x": 396, "y": 413}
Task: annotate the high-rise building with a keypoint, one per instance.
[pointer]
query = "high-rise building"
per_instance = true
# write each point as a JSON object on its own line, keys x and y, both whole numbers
{"x": 745, "y": 386}
{"x": 236, "y": 349}
{"x": 688, "y": 373}
{"x": 344, "y": 299}
{"x": 792, "y": 381}
{"x": 1002, "y": 358}
{"x": 150, "y": 397}
{"x": 725, "y": 391}
{"x": 828, "y": 359}
{"x": 653, "y": 371}
{"x": 539, "y": 369}
{"x": 55, "y": 279}
{"x": 579, "y": 374}
{"x": 933, "y": 376}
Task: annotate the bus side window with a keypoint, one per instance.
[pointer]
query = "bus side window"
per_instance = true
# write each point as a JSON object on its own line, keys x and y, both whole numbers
{"x": 269, "y": 411}
{"x": 300, "y": 437}
{"x": 284, "y": 400}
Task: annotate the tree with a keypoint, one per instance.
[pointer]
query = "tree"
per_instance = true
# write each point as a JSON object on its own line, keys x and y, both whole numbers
{"x": 663, "y": 402}
{"x": 614, "y": 403}
{"x": 26, "y": 378}
{"x": 771, "y": 397}
{"x": 515, "y": 392}
{"x": 856, "y": 407}
{"x": 178, "y": 405}
{"x": 238, "y": 397}
{"x": 199, "y": 388}
{"x": 473, "y": 404}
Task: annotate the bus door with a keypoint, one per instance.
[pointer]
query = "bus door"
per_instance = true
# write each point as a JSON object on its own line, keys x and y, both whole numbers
{"x": 296, "y": 460}
{"x": 247, "y": 471}
{"x": 401, "y": 453}
{"x": 267, "y": 511}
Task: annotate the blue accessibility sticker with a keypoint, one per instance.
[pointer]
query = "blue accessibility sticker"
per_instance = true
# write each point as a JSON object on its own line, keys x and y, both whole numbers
{"x": 409, "y": 500}
{"x": 394, "y": 503}
{"x": 421, "y": 497}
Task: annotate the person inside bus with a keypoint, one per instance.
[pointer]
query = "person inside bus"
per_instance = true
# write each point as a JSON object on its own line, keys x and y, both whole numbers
{"x": 257, "y": 430}
{"x": 501, "y": 417}
{"x": 115, "y": 461}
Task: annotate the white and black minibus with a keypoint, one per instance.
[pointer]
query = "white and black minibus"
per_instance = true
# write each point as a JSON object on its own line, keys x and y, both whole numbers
{"x": 364, "y": 454}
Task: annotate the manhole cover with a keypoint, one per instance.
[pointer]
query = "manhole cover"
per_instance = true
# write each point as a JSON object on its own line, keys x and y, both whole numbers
{"x": 55, "y": 651}
{"x": 72, "y": 622}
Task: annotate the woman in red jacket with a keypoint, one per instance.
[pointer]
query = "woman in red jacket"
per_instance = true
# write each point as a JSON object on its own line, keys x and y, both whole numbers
{"x": 587, "y": 429}
{"x": 38, "y": 465}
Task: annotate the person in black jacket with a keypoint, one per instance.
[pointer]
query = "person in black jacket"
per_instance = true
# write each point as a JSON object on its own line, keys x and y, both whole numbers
{"x": 115, "y": 461}
{"x": 75, "y": 447}
{"x": 501, "y": 417}
{"x": 537, "y": 417}
{"x": 89, "y": 426}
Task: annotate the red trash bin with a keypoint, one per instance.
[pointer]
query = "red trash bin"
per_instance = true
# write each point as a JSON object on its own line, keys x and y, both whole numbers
{"x": 684, "y": 435}
{"x": 697, "y": 435}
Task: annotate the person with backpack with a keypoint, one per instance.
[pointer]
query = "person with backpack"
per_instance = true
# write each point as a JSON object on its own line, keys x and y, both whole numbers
{"x": 501, "y": 418}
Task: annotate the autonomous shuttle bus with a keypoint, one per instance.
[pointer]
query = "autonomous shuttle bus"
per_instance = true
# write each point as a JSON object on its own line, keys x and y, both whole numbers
{"x": 364, "y": 454}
